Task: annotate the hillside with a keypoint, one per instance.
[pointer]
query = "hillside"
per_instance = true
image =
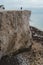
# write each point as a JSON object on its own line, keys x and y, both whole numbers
{"x": 37, "y": 34}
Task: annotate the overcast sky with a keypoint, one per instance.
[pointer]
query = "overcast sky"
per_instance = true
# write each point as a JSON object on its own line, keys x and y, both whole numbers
{"x": 11, "y": 4}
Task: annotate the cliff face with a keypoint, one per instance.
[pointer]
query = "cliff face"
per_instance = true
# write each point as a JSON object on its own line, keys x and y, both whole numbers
{"x": 14, "y": 31}
{"x": 15, "y": 37}
{"x": 32, "y": 57}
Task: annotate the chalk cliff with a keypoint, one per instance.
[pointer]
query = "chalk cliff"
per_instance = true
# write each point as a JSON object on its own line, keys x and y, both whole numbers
{"x": 15, "y": 39}
{"x": 14, "y": 32}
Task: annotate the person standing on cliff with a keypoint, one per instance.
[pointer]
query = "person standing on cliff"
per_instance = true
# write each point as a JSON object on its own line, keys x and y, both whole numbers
{"x": 21, "y": 8}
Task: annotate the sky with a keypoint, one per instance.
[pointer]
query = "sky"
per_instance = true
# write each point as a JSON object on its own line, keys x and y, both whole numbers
{"x": 14, "y": 4}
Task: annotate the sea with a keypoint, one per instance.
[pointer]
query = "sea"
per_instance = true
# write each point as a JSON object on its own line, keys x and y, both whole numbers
{"x": 36, "y": 18}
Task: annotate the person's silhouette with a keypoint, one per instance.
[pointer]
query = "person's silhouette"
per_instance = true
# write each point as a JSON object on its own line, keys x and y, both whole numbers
{"x": 21, "y": 8}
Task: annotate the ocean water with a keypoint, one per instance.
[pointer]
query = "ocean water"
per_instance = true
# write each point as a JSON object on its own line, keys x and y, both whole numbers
{"x": 37, "y": 18}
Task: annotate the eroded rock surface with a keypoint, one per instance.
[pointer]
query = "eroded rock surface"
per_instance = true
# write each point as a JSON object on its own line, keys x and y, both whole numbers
{"x": 34, "y": 56}
{"x": 14, "y": 31}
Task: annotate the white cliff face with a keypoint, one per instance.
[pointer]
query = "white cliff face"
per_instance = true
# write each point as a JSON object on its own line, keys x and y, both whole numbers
{"x": 14, "y": 31}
